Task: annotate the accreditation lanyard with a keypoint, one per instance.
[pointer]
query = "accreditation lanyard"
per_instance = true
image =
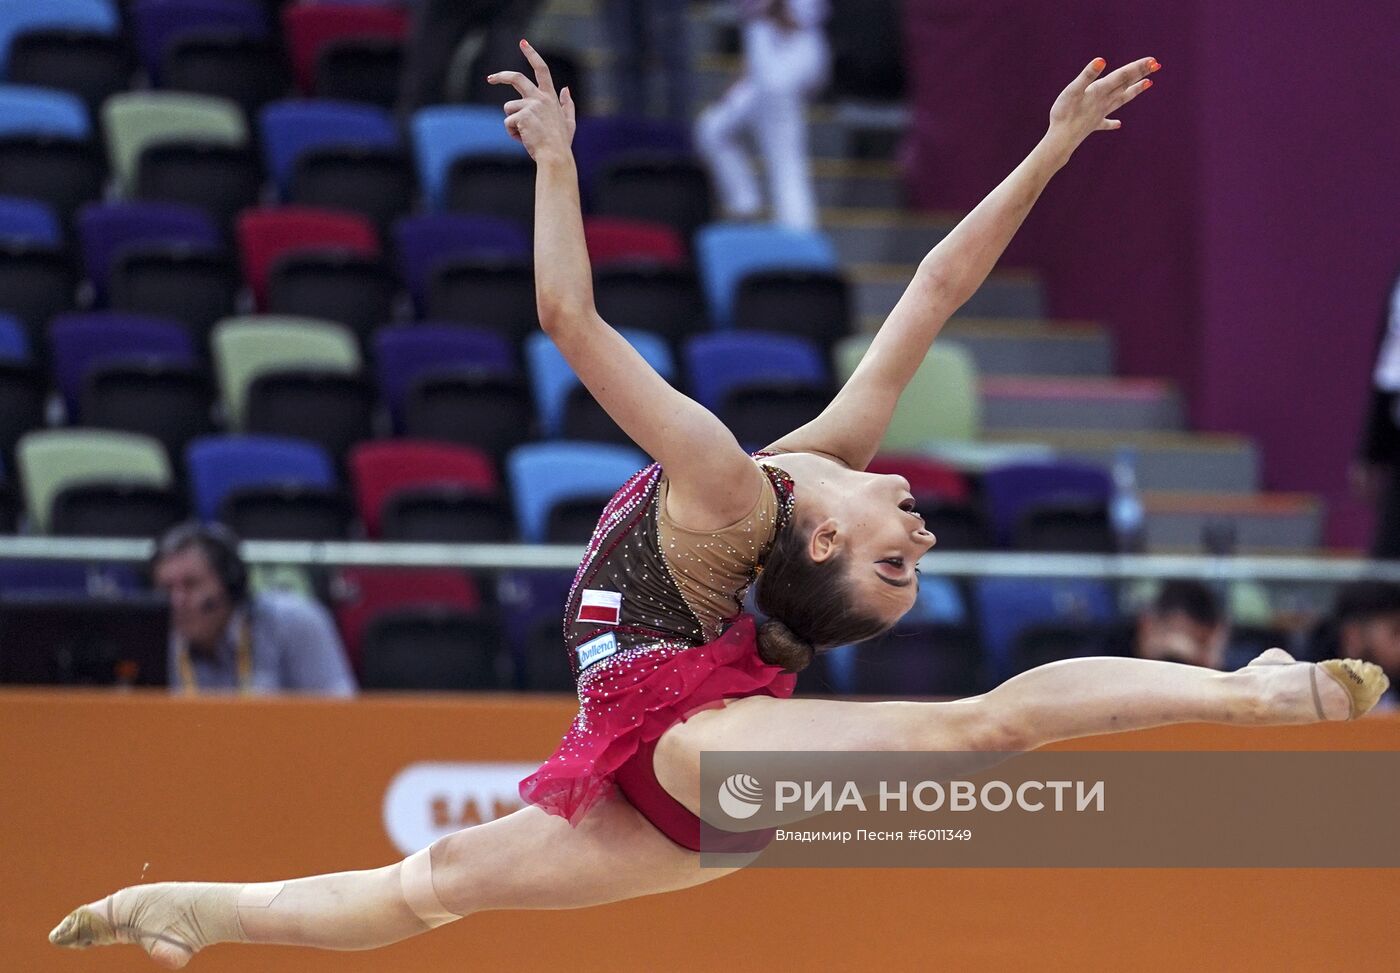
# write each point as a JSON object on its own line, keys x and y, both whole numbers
{"x": 243, "y": 654}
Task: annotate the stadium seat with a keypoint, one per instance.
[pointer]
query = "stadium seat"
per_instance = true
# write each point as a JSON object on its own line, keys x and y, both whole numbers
{"x": 93, "y": 65}
{"x": 62, "y": 172}
{"x": 246, "y": 70}
{"x": 9, "y": 508}
{"x": 22, "y": 394}
{"x": 492, "y": 185}
{"x": 105, "y": 229}
{"x": 49, "y": 460}
{"x": 197, "y": 285}
{"x": 611, "y": 240}
{"x": 380, "y": 469}
{"x": 310, "y": 27}
{"x": 544, "y": 474}
{"x": 158, "y": 24}
{"x": 491, "y": 412}
{"x": 542, "y": 662}
{"x": 406, "y": 353}
{"x": 220, "y": 465}
{"x": 423, "y": 242}
{"x": 442, "y": 134}
{"x": 726, "y": 253}
{"x": 293, "y": 129}
{"x": 1011, "y": 490}
{"x": 928, "y": 478}
{"x": 815, "y": 304}
{"x": 247, "y": 347}
{"x": 167, "y": 401}
{"x": 378, "y": 183}
{"x": 435, "y": 649}
{"x": 918, "y": 660}
{"x": 492, "y": 292}
{"x": 552, "y": 379}
{"x": 80, "y": 342}
{"x": 939, "y": 403}
{"x": 1038, "y": 645}
{"x": 602, "y": 139}
{"x": 667, "y": 190}
{"x": 719, "y": 363}
{"x": 322, "y": 405}
{"x": 21, "y": 16}
{"x": 759, "y": 415}
{"x": 361, "y": 594}
{"x": 221, "y": 180}
{"x": 355, "y": 290}
{"x": 36, "y": 282}
{"x": 29, "y": 221}
{"x": 445, "y": 515}
{"x": 664, "y": 300}
{"x": 267, "y": 234}
{"x": 1007, "y": 606}
{"x": 363, "y": 69}
{"x": 137, "y": 120}
{"x": 28, "y": 110}
{"x": 573, "y": 521}
{"x": 1065, "y": 526}
{"x": 14, "y": 340}
{"x": 296, "y": 513}
{"x": 118, "y": 509}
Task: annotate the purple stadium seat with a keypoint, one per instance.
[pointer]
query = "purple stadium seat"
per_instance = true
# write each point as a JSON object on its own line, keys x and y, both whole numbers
{"x": 1011, "y": 490}
{"x": 599, "y": 140}
{"x": 82, "y": 341}
{"x": 425, "y": 241}
{"x": 404, "y": 354}
{"x": 104, "y": 229}
{"x": 158, "y": 22}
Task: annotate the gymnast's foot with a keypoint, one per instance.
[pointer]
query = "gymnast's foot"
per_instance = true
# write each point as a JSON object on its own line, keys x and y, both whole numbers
{"x": 1353, "y": 688}
{"x": 171, "y": 921}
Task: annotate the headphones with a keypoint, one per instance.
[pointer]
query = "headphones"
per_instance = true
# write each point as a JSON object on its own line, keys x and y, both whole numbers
{"x": 220, "y": 546}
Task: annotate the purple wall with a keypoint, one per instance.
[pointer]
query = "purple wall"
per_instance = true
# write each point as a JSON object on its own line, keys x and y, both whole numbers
{"x": 1238, "y": 234}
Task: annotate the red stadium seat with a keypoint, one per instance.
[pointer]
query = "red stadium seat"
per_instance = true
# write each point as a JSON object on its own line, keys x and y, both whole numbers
{"x": 927, "y": 477}
{"x": 309, "y": 27}
{"x": 611, "y": 240}
{"x": 383, "y": 467}
{"x": 364, "y": 593}
{"x": 266, "y": 234}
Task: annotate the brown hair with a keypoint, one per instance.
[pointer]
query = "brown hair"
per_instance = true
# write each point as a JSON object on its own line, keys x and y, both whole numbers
{"x": 809, "y": 605}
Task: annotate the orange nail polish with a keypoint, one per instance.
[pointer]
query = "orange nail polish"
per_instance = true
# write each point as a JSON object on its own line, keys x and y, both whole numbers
{"x": 1147, "y": 84}
{"x": 1154, "y": 66}
{"x": 1099, "y": 63}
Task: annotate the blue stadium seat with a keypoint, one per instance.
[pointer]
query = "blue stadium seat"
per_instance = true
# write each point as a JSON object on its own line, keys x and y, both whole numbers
{"x": 405, "y": 353}
{"x": 294, "y": 127}
{"x": 424, "y": 242}
{"x": 552, "y": 379}
{"x": 29, "y": 110}
{"x": 159, "y": 22}
{"x": 14, "y": 339}
{"x": 28, "y": 221}
{"x": 19, "y": 16}
{"x": 444, "y": 133}
{"x": 82, "y": 341}
{"x": 717, "y": 363}
{"x": 218, "y": 465}
{"x": 1007, "y": 606}
{"x": 1012, "y": 490}
{"x": 726, "y": 252}
{"x": 543, "y": 474}
{"x": 105, "y": 229}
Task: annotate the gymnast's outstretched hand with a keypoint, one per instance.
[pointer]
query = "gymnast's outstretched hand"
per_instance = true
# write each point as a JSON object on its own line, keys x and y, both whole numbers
{"x": 1084, "y": 107}
{"x": 539, "y": 119}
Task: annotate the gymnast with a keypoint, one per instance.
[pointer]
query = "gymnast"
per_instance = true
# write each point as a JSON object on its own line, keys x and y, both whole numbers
{"x": 667, "y": 664}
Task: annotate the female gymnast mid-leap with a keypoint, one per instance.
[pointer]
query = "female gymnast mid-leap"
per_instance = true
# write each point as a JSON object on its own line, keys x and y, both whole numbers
{"x": 668, "y": 666}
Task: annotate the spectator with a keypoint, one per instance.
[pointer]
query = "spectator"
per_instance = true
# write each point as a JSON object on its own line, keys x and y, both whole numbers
{"x": 224, "y": 637}
{"x": 786, "y": 61}
{"x": 1184, "y": 623}
{"x": 1373, "y": 474}
{"x": 439, "y": 29}
{"x": 1364, "y": 624}
{"x": 640, "y": 29}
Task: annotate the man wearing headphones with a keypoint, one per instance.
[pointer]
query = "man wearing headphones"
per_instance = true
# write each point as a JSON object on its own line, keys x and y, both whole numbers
{"x": 225, "y": 638}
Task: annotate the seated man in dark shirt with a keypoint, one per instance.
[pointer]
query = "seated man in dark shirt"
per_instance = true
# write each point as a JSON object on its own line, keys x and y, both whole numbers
{"x": 225, "y": 638}
{"x": 1184, "y": 623}
{"x": 1364, "y": 624}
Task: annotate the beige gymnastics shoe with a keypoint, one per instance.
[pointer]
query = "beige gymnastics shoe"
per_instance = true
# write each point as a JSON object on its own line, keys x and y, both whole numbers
{"x": 1365, "y": 682}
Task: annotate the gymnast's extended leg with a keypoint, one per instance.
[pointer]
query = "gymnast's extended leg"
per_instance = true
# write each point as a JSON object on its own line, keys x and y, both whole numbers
{"x": 526, "y": 860}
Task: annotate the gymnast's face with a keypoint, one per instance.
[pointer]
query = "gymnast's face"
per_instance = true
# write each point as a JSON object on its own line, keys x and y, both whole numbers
{"x": 199, "y": 605}
{"x": 872, "y": 523}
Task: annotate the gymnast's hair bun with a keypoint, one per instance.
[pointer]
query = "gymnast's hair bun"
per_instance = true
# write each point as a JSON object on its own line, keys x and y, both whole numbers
{"x": 778, "y": 645}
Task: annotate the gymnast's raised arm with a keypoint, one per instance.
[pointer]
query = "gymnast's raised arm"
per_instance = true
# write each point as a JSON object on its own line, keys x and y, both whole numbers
{"x": 851, "y": 427}
{"x": 713, "y": 481}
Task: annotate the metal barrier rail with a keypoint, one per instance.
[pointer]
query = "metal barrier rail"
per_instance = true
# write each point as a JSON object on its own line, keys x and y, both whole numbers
{"x": 533, "y": 557}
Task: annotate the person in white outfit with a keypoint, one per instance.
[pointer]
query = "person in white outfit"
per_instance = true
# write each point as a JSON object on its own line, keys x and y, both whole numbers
{"x": 786, "y": 61}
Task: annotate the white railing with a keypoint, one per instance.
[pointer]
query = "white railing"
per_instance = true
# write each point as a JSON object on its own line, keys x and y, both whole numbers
{"x": 566, "y": 557}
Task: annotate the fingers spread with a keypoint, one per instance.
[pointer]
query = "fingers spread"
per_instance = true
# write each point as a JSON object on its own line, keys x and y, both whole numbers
{"x": 1131, "y": 72}
{"x": 542, "y": 75}
{"x": 1090, "y": 72}
{"x": 1132, "y": 91}
{"x": 515, "y": 79}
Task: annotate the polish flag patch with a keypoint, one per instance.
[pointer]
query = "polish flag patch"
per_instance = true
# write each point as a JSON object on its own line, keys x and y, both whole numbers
{"x": 600, "y": 607}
